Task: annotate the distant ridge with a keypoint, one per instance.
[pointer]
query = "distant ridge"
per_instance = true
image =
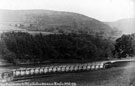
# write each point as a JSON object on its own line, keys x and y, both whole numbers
{"x": 54, "y": 21}
{"x": 127, "y": 25}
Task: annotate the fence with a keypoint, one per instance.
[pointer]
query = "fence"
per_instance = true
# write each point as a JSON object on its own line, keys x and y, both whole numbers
{"x": 36, "y": 71}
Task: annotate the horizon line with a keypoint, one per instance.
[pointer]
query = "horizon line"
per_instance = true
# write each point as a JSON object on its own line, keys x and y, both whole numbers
{"x": 64, "y": 11}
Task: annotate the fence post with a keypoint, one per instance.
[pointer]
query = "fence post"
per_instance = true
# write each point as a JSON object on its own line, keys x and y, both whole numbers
{"x": 36, "y": 70}
{"x": 54, "y": 69}
{"x": 31, "y": 71}
{"x": 67, "y": 68}
{"x": 45, "y": 69}
{"x": 41, "y": 70}
{"x": 22, "y": 72}
{"x": 28, "y": 71}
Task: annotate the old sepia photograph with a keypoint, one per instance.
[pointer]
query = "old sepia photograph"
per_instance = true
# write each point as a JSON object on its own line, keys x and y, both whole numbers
{"x": 67, "y": 42}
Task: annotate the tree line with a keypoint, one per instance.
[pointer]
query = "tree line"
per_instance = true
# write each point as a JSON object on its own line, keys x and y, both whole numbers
{"x": 27, "y": 48}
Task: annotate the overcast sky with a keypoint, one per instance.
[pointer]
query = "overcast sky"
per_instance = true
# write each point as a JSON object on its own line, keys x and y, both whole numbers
{"x": 104, "y": 10}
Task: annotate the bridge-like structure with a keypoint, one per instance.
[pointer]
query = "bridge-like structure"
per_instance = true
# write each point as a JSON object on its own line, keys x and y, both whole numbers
{"x": 31, "y": 72}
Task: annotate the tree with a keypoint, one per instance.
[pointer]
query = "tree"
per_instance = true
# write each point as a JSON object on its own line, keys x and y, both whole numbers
{"x": 124, "y": 46}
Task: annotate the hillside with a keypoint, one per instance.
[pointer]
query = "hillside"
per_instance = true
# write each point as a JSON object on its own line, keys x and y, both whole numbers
{"x": 127, "y": 26}
{"x": 54, "y": 21}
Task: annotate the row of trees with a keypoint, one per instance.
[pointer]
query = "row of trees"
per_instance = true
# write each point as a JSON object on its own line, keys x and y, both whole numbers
{"x": 25, "y": 47}
{"x": 56, "y": 47}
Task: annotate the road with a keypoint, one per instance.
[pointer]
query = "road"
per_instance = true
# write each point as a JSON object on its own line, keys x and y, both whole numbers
{"x": 122, "y": 75}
